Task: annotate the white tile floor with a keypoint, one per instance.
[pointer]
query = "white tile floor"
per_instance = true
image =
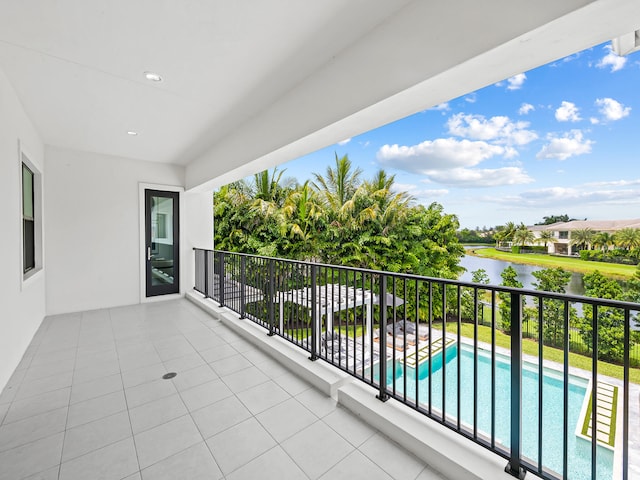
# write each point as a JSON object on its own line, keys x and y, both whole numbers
{"x": 88, "y": 402}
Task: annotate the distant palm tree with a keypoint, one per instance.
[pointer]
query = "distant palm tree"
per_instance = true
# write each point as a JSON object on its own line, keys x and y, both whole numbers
{"x": 545, "y": 237}
{"x": 524, "y": 236}
{"x": 338, "y": 184}
{"x": 602, "y": 240}
{"x": 627, "y": 238}
{"x": 582, "y": 237}
{"x": 505, "y": 233}
{"x": 267, "y": 191}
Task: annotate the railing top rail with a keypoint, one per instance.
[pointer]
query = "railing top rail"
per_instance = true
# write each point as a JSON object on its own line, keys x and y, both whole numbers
{"x": 445, "y": 281}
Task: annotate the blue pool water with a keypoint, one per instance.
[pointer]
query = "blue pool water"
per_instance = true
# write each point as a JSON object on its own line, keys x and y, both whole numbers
{"x": 579, "y": 450}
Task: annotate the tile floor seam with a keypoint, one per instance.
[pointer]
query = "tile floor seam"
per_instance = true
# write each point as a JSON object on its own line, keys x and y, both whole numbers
{"x": 166, "y": 458}
{"x": 180, "y": 331}
{"x": 126, "y": 401}
{"x": 357, "y": 447}
{"x": 31, "y": 440}
{"x": 246, "y": 461}
{"x": 294, "y": 461}
{"x": 64, "y": 437}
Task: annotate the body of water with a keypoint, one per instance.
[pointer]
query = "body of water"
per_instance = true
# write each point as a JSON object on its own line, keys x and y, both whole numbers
{"x": 578, "y": 450}
{"x": 525, "y": 272}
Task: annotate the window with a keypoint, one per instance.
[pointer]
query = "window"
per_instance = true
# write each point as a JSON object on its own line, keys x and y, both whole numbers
{"x": 28, "y": 220}
{"x": 31, "y": 216}
{"x": 563, "y": 235}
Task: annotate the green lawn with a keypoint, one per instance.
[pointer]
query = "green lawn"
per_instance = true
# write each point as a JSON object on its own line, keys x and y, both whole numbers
{"x": 568, "y": 263}
{"x": 530, "y": 347}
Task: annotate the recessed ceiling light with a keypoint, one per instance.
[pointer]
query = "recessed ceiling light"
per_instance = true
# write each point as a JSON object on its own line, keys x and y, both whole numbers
{"x": 132, "y": 133}
{"x": 154, "y": 77}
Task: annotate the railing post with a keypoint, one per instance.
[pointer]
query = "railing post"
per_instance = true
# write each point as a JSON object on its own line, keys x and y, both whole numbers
{"x": 315, "y": 324}
{"x": 206, "y": 273}
{"x": 513, "y": 467}
{"x": 272, "y": 296}
{"x": 243, "y": 285}
{"x": 221, "y": 279}
{"x": 382, "y": 395}
{"x": 209, "y": 259}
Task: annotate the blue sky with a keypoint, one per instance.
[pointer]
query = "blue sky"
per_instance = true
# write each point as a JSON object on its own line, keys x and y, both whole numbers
{"x": 562, "y": 138}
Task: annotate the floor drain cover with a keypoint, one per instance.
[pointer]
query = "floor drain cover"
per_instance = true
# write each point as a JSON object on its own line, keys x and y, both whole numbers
{"x": 169, "y": 375}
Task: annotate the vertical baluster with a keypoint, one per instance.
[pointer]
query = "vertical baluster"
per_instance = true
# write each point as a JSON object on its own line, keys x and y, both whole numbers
{"x": 540, "y": 380}
{"x": 475, "y": 364}
{"x": 315, "y": 324}
{"x": 444, "y": 352}
{"x": 594, "y": 394}
{"x": 625, "y": 407}
{"x": 513, "y": 467}
{"x": 565, "y": 427}
{"x": 382, "y": 395}
{"x": 221, "y": 279}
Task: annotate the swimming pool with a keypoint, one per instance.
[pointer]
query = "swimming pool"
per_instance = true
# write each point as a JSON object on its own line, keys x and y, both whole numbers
{"x": 579, "y": 450}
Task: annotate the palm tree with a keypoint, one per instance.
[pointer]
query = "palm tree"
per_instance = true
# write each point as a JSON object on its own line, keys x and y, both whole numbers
{"x": 602, "y": 240}
{"x": 382, "y": 204}
{"x": 505, "y": 233}
{"x": 582, "y": 237}
{"x": 545, "y": 237}
{"x": 267, "y": 191}
{"x": 523, "y": 236}
{"x": 627, "y": 238}
{"x": 338, "y": 184}
{"x": 298, "y": 220}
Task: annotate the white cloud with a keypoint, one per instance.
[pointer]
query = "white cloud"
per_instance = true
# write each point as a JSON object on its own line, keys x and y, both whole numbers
{"x": 417, "y": 193}
{"x": 570, "y": 144}
{"x": 442, "y": 153}
{"x": 612, "y": 60}
{"x": 567, "y": 112}
{"x": 477, "y": 178}
{"x": 344, "y": 142}
{"x": 594, "y": 121}
{"x": 525, "y": 108}
{"x": 472, "y": 98}
{"x": 612, "y": 109}
{"x": 554, "y": 196}
{"x": 516, "y": 82}
{"x": 614, "y": 183}
{"x": 441, "y": 107}
{"x": 566, "y": 195}
{"x": 439, "y": 192}
{"x": 500, "y": 129}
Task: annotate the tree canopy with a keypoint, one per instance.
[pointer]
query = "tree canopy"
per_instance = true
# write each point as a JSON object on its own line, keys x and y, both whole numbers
{"x": 337, "y": 218}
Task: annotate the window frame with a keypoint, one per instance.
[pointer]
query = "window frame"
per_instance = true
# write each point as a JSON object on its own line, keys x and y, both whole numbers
{"x": 24, "y": 160}
{"x": 28, "y": 245}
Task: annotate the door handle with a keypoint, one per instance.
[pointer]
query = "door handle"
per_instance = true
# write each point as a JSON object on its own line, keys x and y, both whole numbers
{"x": 148, "y": 253}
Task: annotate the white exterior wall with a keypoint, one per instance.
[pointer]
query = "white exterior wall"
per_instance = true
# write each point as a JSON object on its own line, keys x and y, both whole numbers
{"x": 93, "y": 245}
{"x": 22, "y": 305}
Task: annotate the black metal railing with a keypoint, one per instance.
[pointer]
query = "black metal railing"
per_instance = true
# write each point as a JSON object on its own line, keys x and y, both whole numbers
{"x": 455, "y": 352}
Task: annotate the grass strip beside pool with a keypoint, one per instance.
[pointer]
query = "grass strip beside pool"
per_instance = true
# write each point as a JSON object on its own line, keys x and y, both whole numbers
{"x": 551, "y": 261}
{"x": 530, "y": 347}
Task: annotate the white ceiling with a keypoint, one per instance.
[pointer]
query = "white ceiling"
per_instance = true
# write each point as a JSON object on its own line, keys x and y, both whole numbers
{"x": 251, "y": 83}
{"x": 77, "y": 65}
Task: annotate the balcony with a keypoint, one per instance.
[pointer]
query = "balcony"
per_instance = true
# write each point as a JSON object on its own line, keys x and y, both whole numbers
{"x": 377, "y": 325}
{"x": 88, "y": 400}
{"x": 81, "y": 113}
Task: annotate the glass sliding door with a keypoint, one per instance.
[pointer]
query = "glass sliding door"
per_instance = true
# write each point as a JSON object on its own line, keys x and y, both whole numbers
{"x": 162, "y": 220}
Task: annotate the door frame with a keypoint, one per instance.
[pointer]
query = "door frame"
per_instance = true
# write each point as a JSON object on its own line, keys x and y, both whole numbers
{"x": 142, "y": 246}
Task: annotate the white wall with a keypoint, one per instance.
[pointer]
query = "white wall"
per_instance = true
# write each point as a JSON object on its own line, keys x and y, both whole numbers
{"x": 198, "y": 222}
{"x": 93, "y": 247}
{"x": 22, "y": 306}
